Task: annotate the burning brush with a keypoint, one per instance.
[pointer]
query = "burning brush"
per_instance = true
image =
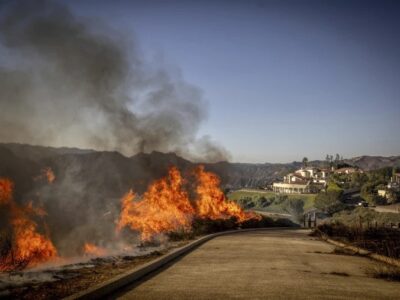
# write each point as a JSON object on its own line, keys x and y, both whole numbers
{"x": 170, "y": 205}
{"x": 166, "y": 206}
{"x": 22, "y": 245}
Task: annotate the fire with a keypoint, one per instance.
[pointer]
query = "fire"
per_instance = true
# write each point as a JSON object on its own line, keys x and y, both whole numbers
{"x": 6, "y": 188}
{"x": 170, "y": 204}
{"x": 24, "y": 246}
{"x": 165, "y": 207}
{"x": 48, "y": 174}
{"x": 211, "y": 201}
{"x": 93, "y": 250}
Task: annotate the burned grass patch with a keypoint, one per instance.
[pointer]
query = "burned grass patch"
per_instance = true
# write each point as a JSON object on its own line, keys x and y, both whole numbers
{"x": 60, "y": 282}
{"x": 339, "y": 274}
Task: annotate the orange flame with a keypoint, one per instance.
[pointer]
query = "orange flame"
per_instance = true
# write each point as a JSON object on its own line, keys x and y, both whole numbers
{"x": 165, "y": 207}
{"x": 49, "y": 174}
{"x": 211, "y": 201}
{"x": 46, "y": 174}
{"x": 27, "y": 247}
{"x": 6, "y": 188}
{"x": 93, "y": 250}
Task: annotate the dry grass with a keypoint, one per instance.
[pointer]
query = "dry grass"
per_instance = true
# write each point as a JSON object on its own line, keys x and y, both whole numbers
{"x": 342, "y": 251}
{"x": 387, "y": 272}
{"x": 380, "y": 240}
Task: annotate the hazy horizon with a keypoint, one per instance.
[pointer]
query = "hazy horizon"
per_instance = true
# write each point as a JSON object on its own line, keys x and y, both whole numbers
{"x": 299, "y": 159}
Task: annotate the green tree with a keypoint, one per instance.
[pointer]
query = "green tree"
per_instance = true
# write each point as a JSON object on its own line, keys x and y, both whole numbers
{"x": 330, "y": 200}
{"x": 305, "y": 162}
{"x": 369, "y": 193}
{"x": 262, "y": 202}
{"x": 329, "y": 160}
{"x": 357, "y": 179}
{"x": 337, "y": 160}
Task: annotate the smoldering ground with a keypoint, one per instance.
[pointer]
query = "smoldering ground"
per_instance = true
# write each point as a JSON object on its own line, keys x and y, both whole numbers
{"x": 65, "y": 81}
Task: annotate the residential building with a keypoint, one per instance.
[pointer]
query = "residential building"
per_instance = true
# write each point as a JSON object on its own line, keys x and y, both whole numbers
{"x": 302, "y": 181}
{"x": 348, "y": 170}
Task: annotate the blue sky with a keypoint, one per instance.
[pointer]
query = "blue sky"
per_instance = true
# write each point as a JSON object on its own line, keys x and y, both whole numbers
{"x": 283, "y": 79}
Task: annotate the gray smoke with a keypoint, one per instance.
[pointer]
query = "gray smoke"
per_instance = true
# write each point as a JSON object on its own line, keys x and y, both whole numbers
{"x": 65, "y": 82}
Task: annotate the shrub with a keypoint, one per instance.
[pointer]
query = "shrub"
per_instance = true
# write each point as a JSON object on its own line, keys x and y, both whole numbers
{"x": 329, "y": 201}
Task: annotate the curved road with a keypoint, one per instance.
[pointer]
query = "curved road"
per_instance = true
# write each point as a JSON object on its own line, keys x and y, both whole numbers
{"x": 273, "y": 264}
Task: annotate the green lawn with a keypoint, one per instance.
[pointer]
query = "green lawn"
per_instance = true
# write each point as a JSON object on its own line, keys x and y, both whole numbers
{"x": 255, "y": 194}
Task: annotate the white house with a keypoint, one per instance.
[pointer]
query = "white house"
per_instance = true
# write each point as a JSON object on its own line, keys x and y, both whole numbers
{"x": 304, "y": 180}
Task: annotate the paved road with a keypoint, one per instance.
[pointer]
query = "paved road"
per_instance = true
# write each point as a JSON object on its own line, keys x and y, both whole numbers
{"x": 275, "y": 264}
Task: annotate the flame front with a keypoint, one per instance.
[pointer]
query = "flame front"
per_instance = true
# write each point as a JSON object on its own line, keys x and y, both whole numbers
{"x": 26, "y": 246}
{"x": 165, "y": 207}
{"x": 6, "y": 189}
{"x": 211, "y": 201}
{"x": 49, "y": 175}
{"x": 169, "y": 205}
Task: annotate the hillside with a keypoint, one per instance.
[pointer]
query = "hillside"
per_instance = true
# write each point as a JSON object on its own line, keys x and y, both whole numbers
{"x": 21, "y": 162}
{"x": 368, "y": 163}
{"x": 89, "y": 184}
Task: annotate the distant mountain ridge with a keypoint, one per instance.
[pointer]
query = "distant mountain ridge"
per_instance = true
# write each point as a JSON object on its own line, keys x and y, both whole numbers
{"x": 142, "y": 168}
{"x": 368, "y": 163}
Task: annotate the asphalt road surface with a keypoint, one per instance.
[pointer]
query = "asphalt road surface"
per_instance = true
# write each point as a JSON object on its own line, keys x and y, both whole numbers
{"x": 274, "y": 264}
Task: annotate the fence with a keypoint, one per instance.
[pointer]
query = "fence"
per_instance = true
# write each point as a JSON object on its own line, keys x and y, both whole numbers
{"x": 310, "y": 220}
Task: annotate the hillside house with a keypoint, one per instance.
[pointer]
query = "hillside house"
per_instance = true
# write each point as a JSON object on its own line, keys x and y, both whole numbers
{"x": 348, "y": 170}
{"x": 302, "y": 181}
{"x": 391, "y": 190}
{"x": 396, "y": 178}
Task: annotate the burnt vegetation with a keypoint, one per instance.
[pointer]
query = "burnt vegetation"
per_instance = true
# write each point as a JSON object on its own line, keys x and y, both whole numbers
{"x": 203, "y": 226}
{"x": 380, "y": 240}
{"x": 385, "y": 272}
